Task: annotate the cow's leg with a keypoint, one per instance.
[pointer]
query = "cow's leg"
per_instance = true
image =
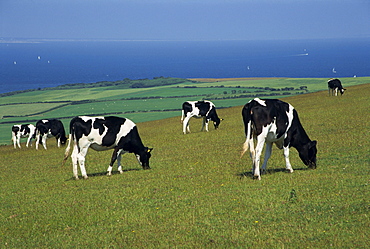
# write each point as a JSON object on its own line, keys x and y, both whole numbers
{"x": 16, "y": 141}
{"x": 206, "y": 123}
{"x": 115, "y": 156}
{"x": 259, "y": 148}
{"x": 287, "y": 162}
{"x": 28, "y": 141}
{"x": 336, "y": 91}
{"x": 119, "y": 161}
{"x": 252, "y": 154}
{"x": 75, "y": 161}
{"x": 44, "y": 141}
{"x": 37, "y": 140}
{"x": 267, "y": 156}
{"x": 81, "y": 161}
{"x": 58, "y": 142}
{"x": 185, "y": 125}
{"x": 119, "y": 166}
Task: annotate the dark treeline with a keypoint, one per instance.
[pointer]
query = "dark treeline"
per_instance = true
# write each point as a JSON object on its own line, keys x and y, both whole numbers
{"x": 125, "y": 83}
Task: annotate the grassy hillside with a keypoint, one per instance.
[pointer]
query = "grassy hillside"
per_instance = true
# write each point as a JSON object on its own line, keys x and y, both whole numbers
{"x": 199, "y": 193}
{"x": 163, "y": 99}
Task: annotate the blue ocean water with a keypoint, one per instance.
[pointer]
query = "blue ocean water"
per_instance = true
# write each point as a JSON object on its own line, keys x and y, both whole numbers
{"x": 46, "y": 64}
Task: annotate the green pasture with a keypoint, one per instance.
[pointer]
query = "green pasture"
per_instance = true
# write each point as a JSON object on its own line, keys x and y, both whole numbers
{"x": 199, "y": 192}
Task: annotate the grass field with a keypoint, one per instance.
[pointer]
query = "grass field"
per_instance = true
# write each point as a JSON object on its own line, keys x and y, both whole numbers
{"x": 199, "y": 193}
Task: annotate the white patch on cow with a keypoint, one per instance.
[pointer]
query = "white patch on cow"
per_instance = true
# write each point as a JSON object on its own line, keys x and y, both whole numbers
{"x": 125, "y": 129}
{"x": 86, "y": 118}
{"x": 290, "y": 117}
{"x": 260, "y": 101}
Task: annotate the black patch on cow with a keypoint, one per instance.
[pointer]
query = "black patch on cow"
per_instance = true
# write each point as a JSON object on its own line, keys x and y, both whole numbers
{"x": 203, "y": 107}
{"x": 113, "y": 124}
{"x": 79, "y": 127}
{"x": 25, "y": 129}
{"x": 187, "y": 107}
{"x": 15, "y": 129}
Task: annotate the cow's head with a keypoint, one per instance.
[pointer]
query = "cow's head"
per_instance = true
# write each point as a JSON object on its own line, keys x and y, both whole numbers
{"x": 63, "y": 139}
{"x": 217, "y": 122}
{"x": 308, "y": 154}
{"x": 342, "y": 91}
{"x": 143, "y": 157}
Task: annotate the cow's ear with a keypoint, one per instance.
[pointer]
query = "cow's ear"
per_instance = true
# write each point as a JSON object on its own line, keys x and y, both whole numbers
{"x": 149, "y": 150}
{"x": 344, "y": 89}
{"x": 313, "y": 143}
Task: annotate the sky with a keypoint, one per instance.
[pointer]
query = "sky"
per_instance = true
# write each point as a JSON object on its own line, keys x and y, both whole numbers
{"x": 184, "y": 19}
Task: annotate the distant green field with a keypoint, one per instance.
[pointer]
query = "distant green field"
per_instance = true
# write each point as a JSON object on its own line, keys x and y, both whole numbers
{"x": 199, "y": 193}
{"x": 149, "y": 103}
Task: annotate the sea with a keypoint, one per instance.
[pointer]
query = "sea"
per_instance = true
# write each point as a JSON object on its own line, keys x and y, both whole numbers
{"x": 39, "y": 64}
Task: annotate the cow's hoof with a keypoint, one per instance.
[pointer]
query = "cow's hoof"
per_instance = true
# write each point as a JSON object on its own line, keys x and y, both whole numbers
{"x": 85, "y": 177}
{"x": 256, "y": 177}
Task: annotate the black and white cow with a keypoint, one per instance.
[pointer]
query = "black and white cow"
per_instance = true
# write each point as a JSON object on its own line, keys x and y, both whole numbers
{"x": 24, "y": 130}
{"x": 274, "y": 121}
{"x": 199, "y": 109}
{"x": 50, "y": 128}
{"x": 334, "y": 85}
{"x": 105, "y": 133}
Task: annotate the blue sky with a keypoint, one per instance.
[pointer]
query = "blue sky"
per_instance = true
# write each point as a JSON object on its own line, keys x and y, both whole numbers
{"x": 184, "y": 19}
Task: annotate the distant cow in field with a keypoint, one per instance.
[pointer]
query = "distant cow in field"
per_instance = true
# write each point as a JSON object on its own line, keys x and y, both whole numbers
{"x": 334, "y": 85}
{"x": 105, "y": 133}
{"x": 274, "y": 121}
{"x": 199, "y": 109}
{"x": 50, "y": 128}
{"x": 20, "y": 131}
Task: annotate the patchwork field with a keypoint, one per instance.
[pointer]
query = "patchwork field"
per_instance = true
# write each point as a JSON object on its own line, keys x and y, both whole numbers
{"x": 199, "y": 192}
{"x": 146, "y": 104}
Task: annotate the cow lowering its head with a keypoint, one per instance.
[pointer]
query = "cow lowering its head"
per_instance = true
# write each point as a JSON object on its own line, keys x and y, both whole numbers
{"x": 105, "y": 133}
{"x": 273, "y": 121}
{"x": 50, "y": 128}
{"x": 334, "y": 85}
{"x": 199, "y": 109}
{"x": 24, "y": 130}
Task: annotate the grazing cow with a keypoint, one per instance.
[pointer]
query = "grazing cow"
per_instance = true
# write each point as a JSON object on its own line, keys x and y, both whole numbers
{"x": 274, "y": 121}
{"x": 24, "y": 130}
{"x": 199, "y": 109}
{"x": 105, "y": 133}
{"x": 334, "y": 85}
{"x": 50, "y": 128}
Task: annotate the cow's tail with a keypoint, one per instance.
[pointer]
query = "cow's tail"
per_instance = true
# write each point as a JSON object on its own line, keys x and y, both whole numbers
{"x": 182, "y": 116}
{"x": 248, "y": 138}
{"x": 247, "y": 119}
{"x": 66, "y": 153}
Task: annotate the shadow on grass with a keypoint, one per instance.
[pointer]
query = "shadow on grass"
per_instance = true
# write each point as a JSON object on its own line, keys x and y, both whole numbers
{"x": 104, "y": 173}
{"x": 267, "y": 172}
